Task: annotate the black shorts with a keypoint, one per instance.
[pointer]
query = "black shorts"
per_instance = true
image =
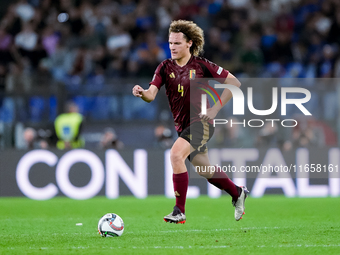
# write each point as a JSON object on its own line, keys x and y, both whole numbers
{"x": 198, "y": 134}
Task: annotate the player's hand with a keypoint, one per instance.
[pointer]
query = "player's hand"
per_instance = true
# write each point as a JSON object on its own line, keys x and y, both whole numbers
{"x": 211, "y": 114}
{"x": 137, "y": 91}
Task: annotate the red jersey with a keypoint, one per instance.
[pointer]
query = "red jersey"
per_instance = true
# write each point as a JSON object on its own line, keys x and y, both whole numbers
{"x": 185, "y": 105}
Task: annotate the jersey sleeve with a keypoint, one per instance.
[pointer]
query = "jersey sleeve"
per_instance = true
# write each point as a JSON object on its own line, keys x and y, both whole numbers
{"x": 211, "y": 70}
{"x": 158, "y": 78}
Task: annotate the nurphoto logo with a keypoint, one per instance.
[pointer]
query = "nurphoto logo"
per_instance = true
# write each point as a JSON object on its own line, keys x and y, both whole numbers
{"x": 238, "y": 105}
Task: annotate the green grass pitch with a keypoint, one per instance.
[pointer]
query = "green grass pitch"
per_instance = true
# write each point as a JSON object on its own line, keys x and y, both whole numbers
{"x": 271, "y": 225}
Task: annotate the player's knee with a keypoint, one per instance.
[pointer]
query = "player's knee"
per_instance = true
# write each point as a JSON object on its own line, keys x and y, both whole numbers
{"x": 176, "y": 157}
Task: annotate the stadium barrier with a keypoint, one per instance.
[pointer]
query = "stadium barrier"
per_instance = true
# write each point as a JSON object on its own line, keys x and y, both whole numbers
{"x": 83, "y": 174}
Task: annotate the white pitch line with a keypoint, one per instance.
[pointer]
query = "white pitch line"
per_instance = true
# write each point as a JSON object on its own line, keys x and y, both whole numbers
{"x": 227, "y": 246}
{"x": 196, "y": 247}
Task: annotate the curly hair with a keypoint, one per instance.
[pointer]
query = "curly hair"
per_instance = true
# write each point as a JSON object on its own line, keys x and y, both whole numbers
{"x": 191, "y": 32}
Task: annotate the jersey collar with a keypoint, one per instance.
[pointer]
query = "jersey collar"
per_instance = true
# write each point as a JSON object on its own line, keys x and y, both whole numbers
{"x": 189, "y": 61}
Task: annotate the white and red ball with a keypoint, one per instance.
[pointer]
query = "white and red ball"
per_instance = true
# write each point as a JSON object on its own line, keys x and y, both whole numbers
{"x": 110, "y": 225}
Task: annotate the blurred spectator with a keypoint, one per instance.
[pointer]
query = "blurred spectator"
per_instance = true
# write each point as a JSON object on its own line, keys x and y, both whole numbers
{"x": 202, "y": 18}
{"x": 90, "y": 38}
{"x": 262, "y": 13}
{"x": 213, "y": 43}
{"x": 5, "y": 40}
{"x": 60, "y": 61}
{"x": 50, "y": 40}
{"x": 79, "y": 67}
{"x": 11, "y": 22}
{"x": 231, "y": 135}
{"x": 282, "y": 49}
{"x": 127, "y": 7}
{"x": 74, "y": 20}
{"x": 164, "y": 15}
{"x": 24, "y": 10}
{"x": 68, "y": 128}
{"x": 267, "y": 41}
{"x": 30, "y": 137}
{"x": 102, "y": 17}
{"x": 237, "y": 137}
{"x": 3, "y": 72}
{"x": 110, "y": 140}
{"x": 118, "y": 41}
{"x": 222, "y": 17}
{"x": 327, "y": 61}
{"x": 187, "y": 9}
{"x": 237, "y": 4}
{"x": 146, "y": 56}
{"x": 163, "y": 136}
{"x": 17, "y": 80}
{"x": 322, "y": 24}
{"x": 27, "y": 39}
{"x": 30, "y": 47}
{"x": 315, "y": 46}
{"x": 100, "y": 62}
{"x": 251, "y": 56}
{"x": 306, "y": 133}
{"x": 144, "y": 19}
{"x": 268, "y": 135}
{"x": 284, "y": 22}
{"x": 334, "y": 31}
{"x": 32, "y": 140}
{"x": 118, "y": 45}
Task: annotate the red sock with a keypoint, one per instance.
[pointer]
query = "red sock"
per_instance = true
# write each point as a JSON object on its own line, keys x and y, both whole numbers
{"x": 221, "y": 180}
{"x": 181, "y": 182}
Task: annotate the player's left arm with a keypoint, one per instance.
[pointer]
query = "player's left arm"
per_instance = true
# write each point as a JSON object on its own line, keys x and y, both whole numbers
{"x": 225, "y": 97}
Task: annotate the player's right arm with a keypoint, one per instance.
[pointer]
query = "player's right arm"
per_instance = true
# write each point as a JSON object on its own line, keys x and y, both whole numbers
{"x": 157, "y": 81}
{"x": 147, "y": 95}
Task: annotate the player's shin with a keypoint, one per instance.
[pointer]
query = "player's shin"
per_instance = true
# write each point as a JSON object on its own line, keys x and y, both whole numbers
{"x": 181, "y": 182}
{"x": 221, "y": 180}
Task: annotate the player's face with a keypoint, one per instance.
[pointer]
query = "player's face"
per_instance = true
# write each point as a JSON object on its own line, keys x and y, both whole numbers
{"x": 179, "y": 47}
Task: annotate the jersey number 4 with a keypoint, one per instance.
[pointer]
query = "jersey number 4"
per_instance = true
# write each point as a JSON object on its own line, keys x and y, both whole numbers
{"x": 180, "y": 89}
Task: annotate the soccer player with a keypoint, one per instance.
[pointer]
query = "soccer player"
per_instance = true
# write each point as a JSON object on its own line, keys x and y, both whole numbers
{"x": 194, "y": 129}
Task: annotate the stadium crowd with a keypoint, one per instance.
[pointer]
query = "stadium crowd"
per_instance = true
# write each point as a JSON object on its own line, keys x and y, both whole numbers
{"x": 83, "y": 42}
{"x": 84, "y": 39}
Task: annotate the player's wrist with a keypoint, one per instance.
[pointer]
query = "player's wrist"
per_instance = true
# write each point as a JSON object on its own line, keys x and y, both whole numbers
{"x": 216, "y": 108}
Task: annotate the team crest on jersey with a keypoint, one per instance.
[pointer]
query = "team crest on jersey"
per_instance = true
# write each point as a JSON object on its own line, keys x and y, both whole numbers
{"x": 172, "y": 75}
{"x": 192, "y": 74}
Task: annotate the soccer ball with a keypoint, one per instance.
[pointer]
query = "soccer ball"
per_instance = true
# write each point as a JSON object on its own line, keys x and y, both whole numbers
{"x": 110, "y": 225}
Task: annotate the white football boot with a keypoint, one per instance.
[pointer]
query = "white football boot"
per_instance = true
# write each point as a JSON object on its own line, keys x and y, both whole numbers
{"x": 239, "y": 203}
{"x": 176, "y": 216}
